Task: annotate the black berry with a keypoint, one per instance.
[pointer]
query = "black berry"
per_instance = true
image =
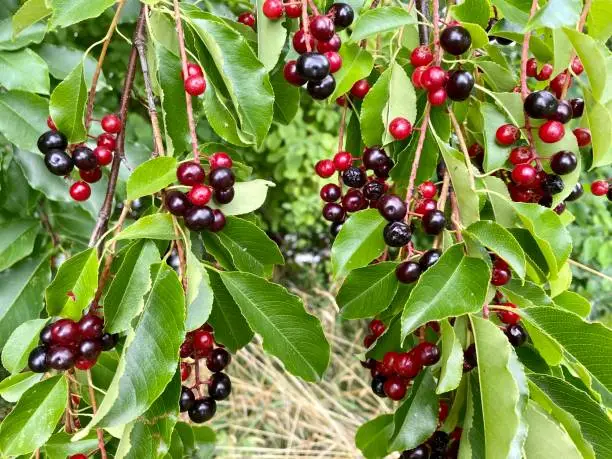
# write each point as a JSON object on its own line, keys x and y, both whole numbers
{"x": 224, "y": 196}
{"x": 202, "y": 410}
{"x": 516, "y": 334}
{"x": 342, "y": 14}
{"x": 553, "y": 184}
{"x": 378, "y": 383}
{"x": 322, "y": 89}
{"x": 563, "y": 162}
{"x": 90, "y": 349}
{"x": 335, "y": 228}
{"x": 459, "y": 85}
{"x": 577, "y": 107}
{"x": 52, "y": 140}
{"x": 60, "y": 358}
{"x": 470, "y": 360}
{"x": 109, "y": 341}
{"x": 218, "y": 360}
{"x": 37, "y": 360}
{"x": 433, "y": 222}
{"x": 221, "y": 178}
{"x": 84, "y": 158}
{"x": 563, "y": 113}
{"x": 45, "y": 335}
{"x": 540, "y": 104}
{"x": 374, "y": 157}
{"x": 58, "y": 162}
{"x": 429, "y": 258}
{"x": 420, "y": 452}
{"x": 373, "y": 190}
{"x": 576, "y": 193}
{"x": 439, "y": 441}
{"x": 220, "y": 386}
{"x": 397, "y": 234}
{"x": 198, "y": 218}
{"x": 177, "y": 203}
{"x": 408, "y": 272}
{"x": 187, "y": 399}
{"x": 354, "y": 177}
{"x": 455, "y": 40}
{"x": 383, "y": 170}
{"x": 333, "y": 212}
{"x": 392, "y": 207}
{"x": 312, "y": 66}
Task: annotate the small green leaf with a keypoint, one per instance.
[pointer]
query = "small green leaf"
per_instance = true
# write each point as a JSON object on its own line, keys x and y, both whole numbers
{"x": 74, "y": 285}
{"x": 600, "y": 124}
{"x": 248, "y": 197}
{"x": 500, "y": 78}
{"x": 495, "y": 155}
{"x": 451, "y": 360}
{"x": 151, "y": 176}
{"x": 61, "y": 445}
{"x": 373, "y": 436}
{"x": 370, "y": 120}
{"x": 555, "y": 14}
{"x": 68, "y": 12}
{"x": 199, "y": 294}
{"x": 13, "y": 387}
{"x": 516, "y": 11}
{"x": 24, "y": 70}
{"x": 62, "y": 59}
{"x": 477, "y": 11}
{"x": 270, "y": 37}
{"x": 286, "y": 98}
{"x": 23, "y": 117}
{"x": 597, "y": 21}
{"x": 526, "y": 294}
{"x": 67, "y": 105}
{"x": 156, "y": 226}
{"x": 16, "y": 241}
{"x": 28, "y": 14}
{"x": 546, "y": 438}
{"x": 10, "y": 42}
{"x": 380, "y": 20}
{"x": 574, "y": 303}
{"x": 357, "y": 64}
{"x": 20, "y": 343}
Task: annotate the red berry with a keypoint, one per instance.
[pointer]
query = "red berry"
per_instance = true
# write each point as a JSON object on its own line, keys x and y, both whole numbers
{"x": 475, "y": 150}
{"x": 421, "y": 56}
{"x": 360, "y": 89}
{"x": 500, "y": 276}
{"x": 400, "y": 128}
{"x": 322, "y": 27}
{"x": 524, "y": 174}
{"x": 368, "y": 341}
{"x": 558, "y": 83}
{"x": 293, "y": 10}
{"x": 416, "y": 77}
{"x": 190, "y": 173}
{"x": 425, "y": 205}
{"x": 83, "y": 364}
{"x": 341, "y": 101}
{"x": 507, "y": 134}
{"x": 583, "y": 136}
{"x": 428, "y": 189}
{"x": 111, "y": 124}
{"x": 377, "y": 327}
{"x": 388, "y": 362}
{"x": 51, "y": 124}
{"x": 199, "y": 195}
{"x": 107, "y": 140}
{"x": 195, "y": 85}
{"x": 433, "y": 78}
{"x": 545, "y": 72}
{"x": 532, "y": 67}
{"x": 185, "y": 370}
{"x": 247, "y": 18}
{"x": 65, "y": 332}
{"x": 599, "y": 187}
{"x": 192, "y": 70}
{"x": 333, "y": 44}
{"x": 103, "y": 155}
{"x": 521, "y": 155}
{"x": 291, "y": 74}
{"x": 80, "y": 191}
{"x": 427, "y": 353}
{"x": 437, "y": 97}
{"x": 91, "y": 176}
{"x": 335, "y": 61}
{"x": 508, "y": 317}
{"x": 220, "y": 159}
{"x": 203, "y": 342}
{"x": 342, "y": 160}
{"x": 407, "y": 366}
{"x": 551, "y": 131}
{"x": 302, "y": 42}
{"x": 325, "y": 168}
{"x": 78, "y": 456}
{"x": 91, "y": 326}
{"x": 395, "y": 388}
{"x": 577, "y": 66}
{"x": 330, "y": 192}
{"x": 442, "y": 411}
{"x": 273, "y": 9}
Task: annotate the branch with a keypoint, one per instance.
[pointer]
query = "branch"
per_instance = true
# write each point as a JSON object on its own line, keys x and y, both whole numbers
{"x": 342, "y": 125}
{"x": 417, "y": 155}
{"x": 525, "y": 53}
{"x": 92, "y": 399}
{"x": 589, "y": 270}
{"x": 423, "y": 8}
{"x": 463, "y": 146}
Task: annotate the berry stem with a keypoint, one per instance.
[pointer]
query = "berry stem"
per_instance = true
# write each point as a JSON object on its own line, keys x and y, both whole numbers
{"x": 463, "y": 146}
{"x": 91, "y": 97}
{"x": 444, "y": 191}
{"x": 183, "y": 53}
{"x": 44, "y": 219}
{"x": 579, "y": 27}
{"x": 305, "y": 26}
{"x": 525, "y": 55}
{"x": 94, "y": 408}
{"x": 417, "y": 156}
{"x": 436, "y": 30}
{"x": 181, "y": 254}
{"x": 342, "y": 126}
{"x": 314, "y": 8}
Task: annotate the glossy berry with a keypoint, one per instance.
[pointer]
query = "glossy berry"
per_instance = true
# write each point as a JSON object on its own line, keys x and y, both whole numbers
{"x": 428, "y": 189}
{"x": 420, "y": 452}
{"x": 360, "y": 89}
{"x": 438, "y": 442}
{"x": 400, "y": 128}
{"x": 303, "y": 42}
{"x": 224, "y": 196}
{"x": 198, "y": 218}
{"x": 220, "y": 159}
{"x": 476, "y": 150}
{"x": 516, "y": 334}
{"x": 443, "y": 410}
{"x": 333, "y": 212}
{"x": 202, "y": 410}
{"x": 428, "y": 353}
{"x": 325, "y": 168}
{"x": 551, "y": 131}
{"x": 199, "y": 195}
{"x": 80, "y": 191}
{"x": 330, "y": 192}
{"x": 532, "y": 67}
{"x": 563, "y": 162}
{"x": 378, "y": 383}
{"x": 107, "y": 140}
{"x": 186, "y": 400}
{"x": 577, "y": 66}
{"x": 429, "y": 258}
{"x": 103, "y": 155}
{"x": 353, "y": 201}
{"x": 397, "y": 234}
{"x": 470, "y": 358}
{"x": 109, "y": 341}
{"x": 599, "y": 187}
{"x": 190, "y": 173}
{"x": 273, "y": 9}
{"x": 507, "y": 134}
{"x": 333, "y": 44}
{"x": 52, "y": 140}
{"x": 247, "y": 18}
{"x": 90, "y": 349}
{"x": 433, "y": 222}
{"x": 220, "y": 386}
{"x": 177, "y": 203}
{"x": 91, "y": 176}
{"x": 392, "y": 207}
{"x": 354, "y": 177}
{"x": 321, "y": 90}
{"x": 90, "y": 326}
{"x": 583, "y": 136}
{"x": 218, "y": 222}
{"x": 524, "y": 174}
{"x": 433, "y": 78}
{"x": 374, "y": 157}
{"x": 334, "y": 229}
{"x": 395, "y": 388}
{"x": 576, "y": 193}
{"x": 557, "y": 84}
{"x": 218, "y": 360}
{"x": 521, "y": 155}
{"x": 335, "y": 61}
{"x": 500, "y": 276}
{"x": 545, "y": 72}
{"x": 459, "y": 85}
{"x": 61, "y": 357}
{"x": 37, "y": 360}
{"x": 508, "y": 317}
{"x": 342, "y": 160}
{"x": 111, "y": 124}
{"x": 312, "y": 66}
{"x": 455, "y": 40}
{"x": 58, "y": 162}
{"x": 416, "y": 77}
{"x": 437, "y": 97}
{"x": 564, "y": 112}
{"x": 377, "y": 327}
{"x": 293, "y": 10}
{"x": 421, "y": 56}
{"x": 373, "y": 190}
{"x": 195, "y": 85}
{"x": 193, "y": 69}
{"x": 577, "y": 107}
{"x": 221, "y": 178}
{"x": 78, "y": 456}
{"x": 383, "y": 170}
{"x": 408, "y": 272}
{"x": 203, "y": 342}
{"x": 45, "y": 334}
{"x": 185, "y": 370}
{"x": 342, "y": 15}
{"x": 84, "y": 158}
{"x": 540, "y": 104}
{"x": 552, "y": 184}
{"x": 291, "y": 75}
{"x": 407, "y": 365}
{"x": 322, "y": 27}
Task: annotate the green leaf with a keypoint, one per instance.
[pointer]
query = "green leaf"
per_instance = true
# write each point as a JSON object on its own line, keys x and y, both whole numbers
{"x": 472, "y": 437}
{"x": 62, "y": 59}
{"x": 401, "y": 101}
{"x": 146, "y": 366}
{"x": 61, "y": 445}
{"x": 21, "y": 293}
{"x": 151, "y": 176}
{"x": 546, "y": 437}
{"x": 248, "y": 197}
{"x": 367, "y": 291}
{"x": 499, "y": 78}
{"x": 124, "y": 299}
{"x": 286, "y": 98}
{"x": 20, "y": 343}
{"x": 288, "y": 331}
{"x": 451, "y": 360}
{"x": 372, "y": 110}
{"x": 357, "y": 63}
{"x": 373, "y": 436}
{"x": 234, "y": 58}
{"x": 68, "y": 12}
{"x": 526, "y": 294}
{"x": 28, "y": 14}
{"x": 67, "y": 105}
{"x": 499, "y": 240}
{"x": 597, "y": 21}
{"x": 455, "y": 285}
{"x": 555, "y": 14}
{"x": 13, "y": 387}
{"x": 155, "y": 226}
{"x": 379, "y": 20}
{"x": 477, "y": 11}
{"x": 588, "y": 343}
{"x": 480, "y": 39}
{"x": 9, "y": 42}
{"x": 574, "y": 303}
{"x": 74, "y": 285}
{"x": 23, "y": 117}
{"x": 592, "y": 58}
{"x": 24, "y": 70}
{"x": 34, "y": 418}
{"x": 514, "y": 31}
{"x": 360, "y": 241}
{"x": 503, "y": 390}
{"x": 223, "y": 120}
{"x": 516, "y": 11}
{"x": 270, "y": 38}
{"x": 417, "y": 417}
{"x": 495, "y": 155}
{"x": 16, "y": 241}
{"x": 600, "y": 124}
{"x": 199, "y": 293}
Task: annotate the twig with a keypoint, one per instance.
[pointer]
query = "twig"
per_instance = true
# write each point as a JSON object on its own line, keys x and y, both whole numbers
{"x": 463, "y": 146}
{"x": 342, "y": 126}
{"x": 417, "y": 154}
{"x": 181, "y": 254}
{"x": 436, "y": 30}
{"x": 44, "y": 218}
{"x": 94, "y": 408}
{"x": 589, "y": 269}
{"x": 94, "y": 80}
{"x": 183, "y": 53}
{"x": 105, "y": 211}
{"x": 444, "y": 191}
{"x": 455, "y": 217}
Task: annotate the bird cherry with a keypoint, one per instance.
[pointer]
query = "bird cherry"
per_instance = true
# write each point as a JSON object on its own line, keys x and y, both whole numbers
{"x": 293, "y": 10}
{"x": 199, "y": 195}
{"x": 420, "y": 56}
{"x": 335, "y": 61}
{"x": 507, "y": 134}
{"x": 302, "y": 42}
{"x": 50, "y": 124}
{"x": 551, "y": 131}
{"x": 330, "y": 192}
{"x": 325, "y": 168}
{"x": 190, "y": 173}
{"x": 545, "y": 72}
{"x": 91, "y": 176}
{"x": 193, "y": 69}
{"x": 428, "y": 189}
{"x": 577, "y": 66}
{"x": 599, "y": 187}
{"x": 333, "y": 44}
{"x": 220, "y": 159}
{"x": 291, "y": 75}
{"x": 437, "y": 97}
{"x": 360, "y": 89}
{"x": 583, "y": 136}
{"x": 247, "y": 18}
{"x": 80, "y": 191}
{"x": 524, "y": 174}
{"x": 433, "y": 78}
{"x": 111, "y": 123}
{"x": 521, "y": 155}
{"x": 342, "y": 160}
{"x": 395, "y": 388}
{"x": 377, "y": 327}
{"x": 107, "y": 140}
{"x": 475, "y": 150}
{"x": 400, "y": 128}
{"x": 273, "y": 9}
{"x": 508, "y": 317}
{"x": 532, "y": 67}
{"x": 195, "y": 85}
{"x": 103, "y": 155}
{"x": 416, "y": 77}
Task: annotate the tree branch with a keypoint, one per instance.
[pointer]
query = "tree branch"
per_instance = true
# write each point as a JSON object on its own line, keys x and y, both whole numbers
{"x": 94, "y": 407}
{"x": 423, "y": 8}
{"x": 463, "y": 146}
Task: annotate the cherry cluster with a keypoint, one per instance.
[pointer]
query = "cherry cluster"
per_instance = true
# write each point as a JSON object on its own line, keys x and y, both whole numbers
{"x": 602, "y": 188}
{"x": 192, "y": 206}
{"x": 200, "y": 344}
{"x": 440, "y": 445}
{"x": 195, "y": 83}
{"x": 66, "y": 344}
{"x": 558, "y": 83}
{"x": 312, "y": 68}
{"x": 440, "y": 84}
{"x": 53, "y": 145}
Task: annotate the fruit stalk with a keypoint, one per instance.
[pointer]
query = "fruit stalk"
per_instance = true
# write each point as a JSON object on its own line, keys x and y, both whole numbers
{"x": 94, "y": 408}
{"x": 463, "y": 146}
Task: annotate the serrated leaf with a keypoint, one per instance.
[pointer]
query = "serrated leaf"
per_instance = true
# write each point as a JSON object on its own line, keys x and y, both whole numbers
{"x": 288, "y": 331}
{"x": 34, "y": 418}
{"x": 370, "y": 116}
{"x": 499, "y": 78}
{"x": 380, "y": 20}
{"x": 401, "y": 101}
{"x": 17, "y": 348}
{"x": 9, "y": 42}
{"x": 360, "y": 241}
{"x": 23, "y": 118}
{"x": 74, "y": 285}
{"x": 451, "y": 360}
{"x": 546, "y": 438}
{"x": 472, "y": 437}
{"x": 516, "y": 11}
{"x": 270, "y": 37}
{"x": 357, "y": 64}
{"x": 573, "y": 302}
{"x": 68, "y": 12}
{"x": 13, "y": 387}
{"x": 67, "y": 105}
{"x": 526, "y": 295}
{"x": 599, "y": 120}
{"x": 367, "y": 291}
{"x": 373, "y": 436}
{"x": 455, "y": 285}
{"x": 62, "y": 59}
{"x": 597, "y": 24}
{"x": 60, "y": 445}
{"x": 592, "y": 58}
{"x": 495, "y": 155}
{"x": 24, "y": 70}
{"x": 151, "y": 176}
{"x": 477, "y": 11}
{"x": 248, "y": 197}
{"x": 156, "y": 226}
{"x": 16, "y": 241}
{"x": 286, "y": 98}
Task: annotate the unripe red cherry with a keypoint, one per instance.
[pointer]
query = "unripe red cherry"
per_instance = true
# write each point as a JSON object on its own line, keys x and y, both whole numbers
{"x": 80, "y": 191}
{"x": 577, "y": 66}
{"x": 551, "y": 131}
{"x": 521, "y": 155}
{"x": 532, "y": 67}
{"x": 524, "y": 174}
{"x": 433, "y": 78}
{"x": 377, "y": 327}
{"x": 103, "y": 155}
{"x": 111, "y": 123}
{"x": 220, "y": 159}
{"x": 335, "y": 61}
{"x": 475, "y": 150}
{"x": 91, "y": 176}
{"x": 107, "y": 140}
{"x": 293, "y": 10}
{"x": 558, "y": 83}
{"x": 416, "y": 77}
{"x": 333, "y": 44}
{"x": 420, "y": 56}
{"x": 508, "y": 317}
{"x": 395, "y": 388}
{"x": 247, "y": 18}
{"x": 342, "y": 160}
{"x": 302, "y": 41}
{"x": 185, "y": 370}
{"x": 341, "y": 101}
{"x": 199, "y": 195}
{"x": 400, "y": 128}
{"x": 500, "y": 276}
{"x": 428, "y": 189}
{"x": 360, "y": 88}
{"x": 291, "y": 75}
{"x": 195, "y": 85}
{"x": 193, "y": 69}
{"x": 273, "y": 9}
{"x": 322, "y": 27}
{"x": 203, "y": 342}
{"x": 599, "y": 187}
{"x": 325, "y": 168}
{"x": 190, "y": 173}
{"x": 507, "y": 134}
{"x": 583, "y": 136}
{"x": 545, "y": 72}
{"x": 407, "y": 365}
{"x": 65, "y": 332}
{"x": 437, "y": 97}
{"x": 425, "y": 205}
